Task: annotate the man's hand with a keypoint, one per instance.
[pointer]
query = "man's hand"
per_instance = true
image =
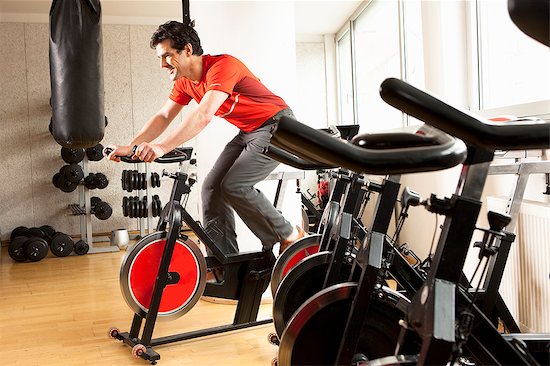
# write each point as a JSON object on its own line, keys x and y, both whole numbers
{"x": 116, "y": 151}
{"x": 148, "y": 152}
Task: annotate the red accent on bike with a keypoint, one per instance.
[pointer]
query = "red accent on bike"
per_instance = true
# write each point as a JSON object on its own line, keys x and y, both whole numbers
{"x": 143, "y": 274}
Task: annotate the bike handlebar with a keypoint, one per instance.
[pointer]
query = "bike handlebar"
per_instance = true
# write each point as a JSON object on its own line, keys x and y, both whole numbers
{"x": 462, "y": 124}
{"x": 314, "y": 145}
{"x": 177, "y": 155}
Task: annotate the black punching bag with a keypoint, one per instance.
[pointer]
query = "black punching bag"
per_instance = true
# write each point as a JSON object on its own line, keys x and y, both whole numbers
{"x": 76, "y": 73}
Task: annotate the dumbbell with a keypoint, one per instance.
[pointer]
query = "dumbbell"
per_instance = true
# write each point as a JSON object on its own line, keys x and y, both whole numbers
{"x": 62, "y": 244}
{"x": 68, "y": 177}
{"x": 22, "y": 248}
{"x": 102, "y": 210}
{"x": 133, "y": 180}
{"x": 96, "y": 181}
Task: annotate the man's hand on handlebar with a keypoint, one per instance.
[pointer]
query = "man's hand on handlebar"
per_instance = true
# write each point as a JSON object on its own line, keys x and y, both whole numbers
{"x": 145, "y": 152}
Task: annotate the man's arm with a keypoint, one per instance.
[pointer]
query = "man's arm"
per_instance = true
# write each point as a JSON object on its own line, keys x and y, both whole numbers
{"x": 193, "y": 123}
{"x": 158, "y": 123}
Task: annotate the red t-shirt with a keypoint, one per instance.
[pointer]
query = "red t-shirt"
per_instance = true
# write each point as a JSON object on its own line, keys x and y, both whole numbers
{"x": 249, "y": 104}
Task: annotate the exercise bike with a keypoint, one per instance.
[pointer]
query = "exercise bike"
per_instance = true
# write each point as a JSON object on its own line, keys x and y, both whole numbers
{"x": 313, "y": 335}
{"x": 164, "y": 274}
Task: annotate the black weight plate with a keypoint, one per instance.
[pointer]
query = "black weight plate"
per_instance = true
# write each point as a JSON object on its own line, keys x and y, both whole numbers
{"x": 49, "y": 231}
{"x": 36, "y": 232}
{"x": 94, "y": 201}
{"x": 55, "y": 179}
{"x": 66, "y": 185}
{"x": 16, "y": 250}
{"x": 61, "y": 245}
{"x": 137, "y": 183}
{"x": 81, "y": 247}
{"x": 130, "y": 207}
{"x": 143, "y": 181}
{"x": 157, "y": 178}
{"x": 103, "y": 210}
{"x": 154, "y": 209}
{"x": 125, "y": 206}
{"x": 95, "y": 153}
{"x": 101, "y": 181}
{"x": 73, "y": 172}
{"x": 72, "y": 155}
{"x": 18, "y": 231}
{"x": 35, "y": 249}
{"x": 123, "y": 180}
{"x": 90, "y": 181}
{"x": 136, "y": 207}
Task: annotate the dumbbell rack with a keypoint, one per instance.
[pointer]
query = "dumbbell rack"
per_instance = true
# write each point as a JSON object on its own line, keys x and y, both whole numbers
{"x": 83, "y": 209}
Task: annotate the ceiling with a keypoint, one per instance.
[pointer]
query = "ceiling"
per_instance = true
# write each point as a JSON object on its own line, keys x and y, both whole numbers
{"x": 312, "y": 17}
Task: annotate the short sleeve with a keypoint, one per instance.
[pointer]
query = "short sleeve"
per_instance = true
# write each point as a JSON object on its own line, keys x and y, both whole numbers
{"x": 224, "y": 75}
{"x": 178, "y": 95}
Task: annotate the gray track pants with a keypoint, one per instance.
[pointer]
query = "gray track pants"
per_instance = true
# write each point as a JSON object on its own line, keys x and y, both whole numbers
{"x": 230, "y": 186}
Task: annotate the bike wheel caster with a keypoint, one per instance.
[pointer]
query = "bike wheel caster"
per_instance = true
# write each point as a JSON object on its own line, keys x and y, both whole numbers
{"x": 274, "y": 361}
{"x": 273, "y": 339}
{"x": 113, "y": 333}
{"x": 138, "y": 350}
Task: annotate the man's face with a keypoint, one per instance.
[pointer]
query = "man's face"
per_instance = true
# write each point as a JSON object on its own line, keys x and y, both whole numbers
{"x": 174, "y": 62}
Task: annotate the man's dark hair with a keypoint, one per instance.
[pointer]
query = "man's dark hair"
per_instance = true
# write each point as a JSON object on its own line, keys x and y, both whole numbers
{"x": 179, "y": 35}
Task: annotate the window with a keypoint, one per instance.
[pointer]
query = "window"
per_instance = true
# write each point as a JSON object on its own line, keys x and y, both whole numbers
{"x": 377, "y": 57}
{"x": 513, "y": 68}
{"x": 384, "y": 39}
{"x": 345, "y": 84}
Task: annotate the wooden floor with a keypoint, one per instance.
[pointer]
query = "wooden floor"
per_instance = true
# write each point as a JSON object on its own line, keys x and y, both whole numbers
{"x": 58, "y": 312}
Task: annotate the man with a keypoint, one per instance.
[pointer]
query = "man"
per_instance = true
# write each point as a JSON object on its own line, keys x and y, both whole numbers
{"x": 222, "y": 86}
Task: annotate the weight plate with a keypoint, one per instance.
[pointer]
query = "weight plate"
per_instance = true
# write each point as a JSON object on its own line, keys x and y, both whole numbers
{"x": 61, "y": 245}
{"x": 313, "y": 335}
{"x": 103, "y": 210}
{"x": 81, "y": 247}
{"x": 125, "y": 206}
{"x": 66, "y": 185}
{"x": 18, "y": 231}
{"x": 35, "y": 232}
{"x": 16, "y": 250}
{"x": 35, "y": 249}
{"x": 101, "y": 181}
{"x": 48, "y": 230}
{"x": 72, "y": 155}
{"x": 302, "y": 248}
{"x": 55, "y": 179}
{"x": 95, "y": 153}
{"x": 139, "y": 271}
{"x": 90, "y": 181}
{"x": 128, "y": 181}
{"x": 123, "y": 180}
{"x": 94, "y": 201}
{"x": 72, "y": 172}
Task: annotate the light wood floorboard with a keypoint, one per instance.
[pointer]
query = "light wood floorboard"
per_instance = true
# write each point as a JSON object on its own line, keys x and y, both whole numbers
{"x": 58, "y": 312}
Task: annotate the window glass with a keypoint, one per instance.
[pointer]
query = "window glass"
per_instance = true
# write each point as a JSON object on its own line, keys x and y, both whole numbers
{"x": 377, "y": 57}
{"x": 345, "y": 85}
{"x": 514, "y": 67}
